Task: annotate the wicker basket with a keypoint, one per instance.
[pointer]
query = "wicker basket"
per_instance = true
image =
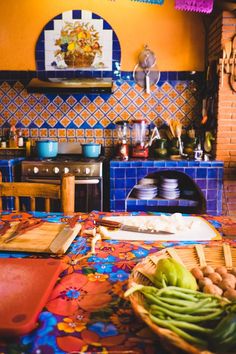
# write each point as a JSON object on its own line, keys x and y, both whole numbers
{"x": 190, "y": 256}
{"x": 79, "y": 60}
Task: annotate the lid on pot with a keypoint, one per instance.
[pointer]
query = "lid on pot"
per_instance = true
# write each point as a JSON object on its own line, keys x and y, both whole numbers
{"x": 46, "y": 141}
{"x": 91, "y": 144}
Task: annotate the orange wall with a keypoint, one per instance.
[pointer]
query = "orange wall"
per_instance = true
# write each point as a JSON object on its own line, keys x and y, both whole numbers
{"x": 176, "y": 37}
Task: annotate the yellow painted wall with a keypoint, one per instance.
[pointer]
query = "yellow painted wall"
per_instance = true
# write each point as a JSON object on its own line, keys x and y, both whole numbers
{"x": 176, "y": 37}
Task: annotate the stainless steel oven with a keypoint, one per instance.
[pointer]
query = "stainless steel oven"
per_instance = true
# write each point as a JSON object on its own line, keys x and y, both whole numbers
{"x": 88, "y": 178}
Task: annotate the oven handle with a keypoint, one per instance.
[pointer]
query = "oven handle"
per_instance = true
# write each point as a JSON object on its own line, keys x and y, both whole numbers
{"x": 87, "y": 181}
{"x": 56, "y": 181}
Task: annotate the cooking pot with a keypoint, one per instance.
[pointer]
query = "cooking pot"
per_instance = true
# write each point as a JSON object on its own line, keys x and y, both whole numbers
{"x": 46, "y": 148}
{"x": 91, "y": 150}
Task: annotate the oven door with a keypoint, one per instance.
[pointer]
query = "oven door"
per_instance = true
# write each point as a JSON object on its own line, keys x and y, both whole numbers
{"x": 88, "y": 193}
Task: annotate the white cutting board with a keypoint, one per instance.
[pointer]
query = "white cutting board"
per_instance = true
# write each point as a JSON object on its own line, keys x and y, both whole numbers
{"x": 200, "y": 230}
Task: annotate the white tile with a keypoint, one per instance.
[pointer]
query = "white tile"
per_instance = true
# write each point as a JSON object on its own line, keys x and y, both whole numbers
{"x": 86, "y": 15}
{"x": 67, "y": 16}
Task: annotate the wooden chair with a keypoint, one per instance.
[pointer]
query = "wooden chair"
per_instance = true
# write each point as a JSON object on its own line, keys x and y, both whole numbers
{"x": 64, "y": 192}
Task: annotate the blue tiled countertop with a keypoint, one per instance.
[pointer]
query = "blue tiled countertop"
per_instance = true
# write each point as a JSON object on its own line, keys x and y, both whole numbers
{"x": 124, "y": 175}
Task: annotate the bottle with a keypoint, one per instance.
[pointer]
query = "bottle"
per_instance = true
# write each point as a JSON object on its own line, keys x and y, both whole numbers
{"x": 198, "y": 153}
{"x": 20, "y": 139}
{"x": 3, "y": 143}
{"x": 13, "y": 139}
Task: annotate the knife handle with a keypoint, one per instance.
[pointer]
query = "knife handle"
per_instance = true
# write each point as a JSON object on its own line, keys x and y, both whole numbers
{"x": 109, "y": 223}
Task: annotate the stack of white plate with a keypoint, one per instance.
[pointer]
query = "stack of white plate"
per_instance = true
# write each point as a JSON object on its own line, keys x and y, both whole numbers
{"x": 169, "y": 189}
{"x": 148, "y": 181}
{"x": 145, "y": 191}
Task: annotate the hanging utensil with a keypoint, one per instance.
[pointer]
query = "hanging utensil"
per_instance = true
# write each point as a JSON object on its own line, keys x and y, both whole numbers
{"x": 233, "y": 57}
{"x": 228, "y": 49}
{"x": 222, "y": 67}
{"x": 145, "y": 73}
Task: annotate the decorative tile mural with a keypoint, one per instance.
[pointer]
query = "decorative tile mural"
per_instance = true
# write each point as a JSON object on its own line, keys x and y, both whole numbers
{"x": 91, "y": 117}
{"x": 78, "y": 41}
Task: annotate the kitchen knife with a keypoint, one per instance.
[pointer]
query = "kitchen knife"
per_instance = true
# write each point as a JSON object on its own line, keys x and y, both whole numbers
{"x": 110, "y": 224}
{"x": 22, "y": 227}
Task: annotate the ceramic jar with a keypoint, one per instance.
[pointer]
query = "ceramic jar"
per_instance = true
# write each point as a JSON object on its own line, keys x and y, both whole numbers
{"x": 160, "y": 150}
{"x": 174, "y": 147}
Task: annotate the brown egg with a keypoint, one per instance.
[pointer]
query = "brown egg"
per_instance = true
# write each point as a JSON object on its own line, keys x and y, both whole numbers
{"x": 229, "y": 276}
{"x": 221, "y": 270}
{"x": 204, "y": 281}
{"x": 215, "y": 278}
{"x": 197, "y": 273}
{"x": 207, "y": 270}
{"x": 226, "y": 284}
{"x": 230, "y": 294}
{"x": 212, "y": 289}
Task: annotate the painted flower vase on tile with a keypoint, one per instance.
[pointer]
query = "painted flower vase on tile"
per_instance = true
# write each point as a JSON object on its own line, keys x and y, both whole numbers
{"x": 79, "y": 44}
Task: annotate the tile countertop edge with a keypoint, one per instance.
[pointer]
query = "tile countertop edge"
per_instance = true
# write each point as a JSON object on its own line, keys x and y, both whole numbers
{"x": 165, "y": 163}
{"x": 10, "y": 161}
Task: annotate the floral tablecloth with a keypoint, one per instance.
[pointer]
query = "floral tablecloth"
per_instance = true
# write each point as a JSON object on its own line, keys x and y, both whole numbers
{"x": 87, "y": 311}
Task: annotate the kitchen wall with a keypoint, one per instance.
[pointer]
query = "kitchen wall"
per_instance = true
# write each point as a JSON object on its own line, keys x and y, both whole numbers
{"x": 176, "y": 37}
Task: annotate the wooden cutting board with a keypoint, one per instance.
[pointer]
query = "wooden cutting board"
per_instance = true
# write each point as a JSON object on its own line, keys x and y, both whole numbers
{"x": 201, "y": 230}
{"x": 25, "y": 285}
{"x": 46, "y": 238}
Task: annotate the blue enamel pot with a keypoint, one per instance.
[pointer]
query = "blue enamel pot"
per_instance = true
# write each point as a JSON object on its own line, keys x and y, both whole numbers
{"x": 46, "y": 148}
{"x": 91, "y": 150}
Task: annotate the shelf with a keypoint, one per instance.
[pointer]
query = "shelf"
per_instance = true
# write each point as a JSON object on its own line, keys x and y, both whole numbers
{"x": 11, "y": 148}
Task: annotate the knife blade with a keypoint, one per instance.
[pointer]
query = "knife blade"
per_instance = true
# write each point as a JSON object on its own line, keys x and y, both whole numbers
{"x": 22, "y": 227}
{"x": 110, "y": 224}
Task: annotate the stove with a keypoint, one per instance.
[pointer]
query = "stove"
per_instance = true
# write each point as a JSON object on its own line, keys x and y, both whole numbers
{"x": 56, "y": 167}
{"x": 88, "y": 177}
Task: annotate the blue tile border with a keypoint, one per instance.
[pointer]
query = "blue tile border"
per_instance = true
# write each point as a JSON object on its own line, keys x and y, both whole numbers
{"x": 29, "y": 74}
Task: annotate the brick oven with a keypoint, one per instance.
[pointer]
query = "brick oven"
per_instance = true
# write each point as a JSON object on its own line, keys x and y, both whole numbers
{"x": 203, "y": 178}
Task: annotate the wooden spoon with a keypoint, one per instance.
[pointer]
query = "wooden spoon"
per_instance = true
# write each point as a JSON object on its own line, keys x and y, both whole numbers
{"x": 222, "y": 68}
{"x": 233, "y": 57}
{"x": 228, "y": 49}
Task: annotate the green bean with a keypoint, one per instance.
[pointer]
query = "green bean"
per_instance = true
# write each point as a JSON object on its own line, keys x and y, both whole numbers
{"x": 189, "y": 318}
{"x": 139, "y": 287}
{"x": 190, "y": 326}
{"x": 190, "y": 309}
{"x": 176, "y": 288}
{"x": 179, "y": 332}
{"x": 206, "y": 310}
{"x": 175, "y": 301}
{"x": 179, "y": 295}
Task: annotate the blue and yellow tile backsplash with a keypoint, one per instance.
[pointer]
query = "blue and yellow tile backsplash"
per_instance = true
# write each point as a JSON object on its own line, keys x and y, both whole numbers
{"x": 86, "y": 117}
